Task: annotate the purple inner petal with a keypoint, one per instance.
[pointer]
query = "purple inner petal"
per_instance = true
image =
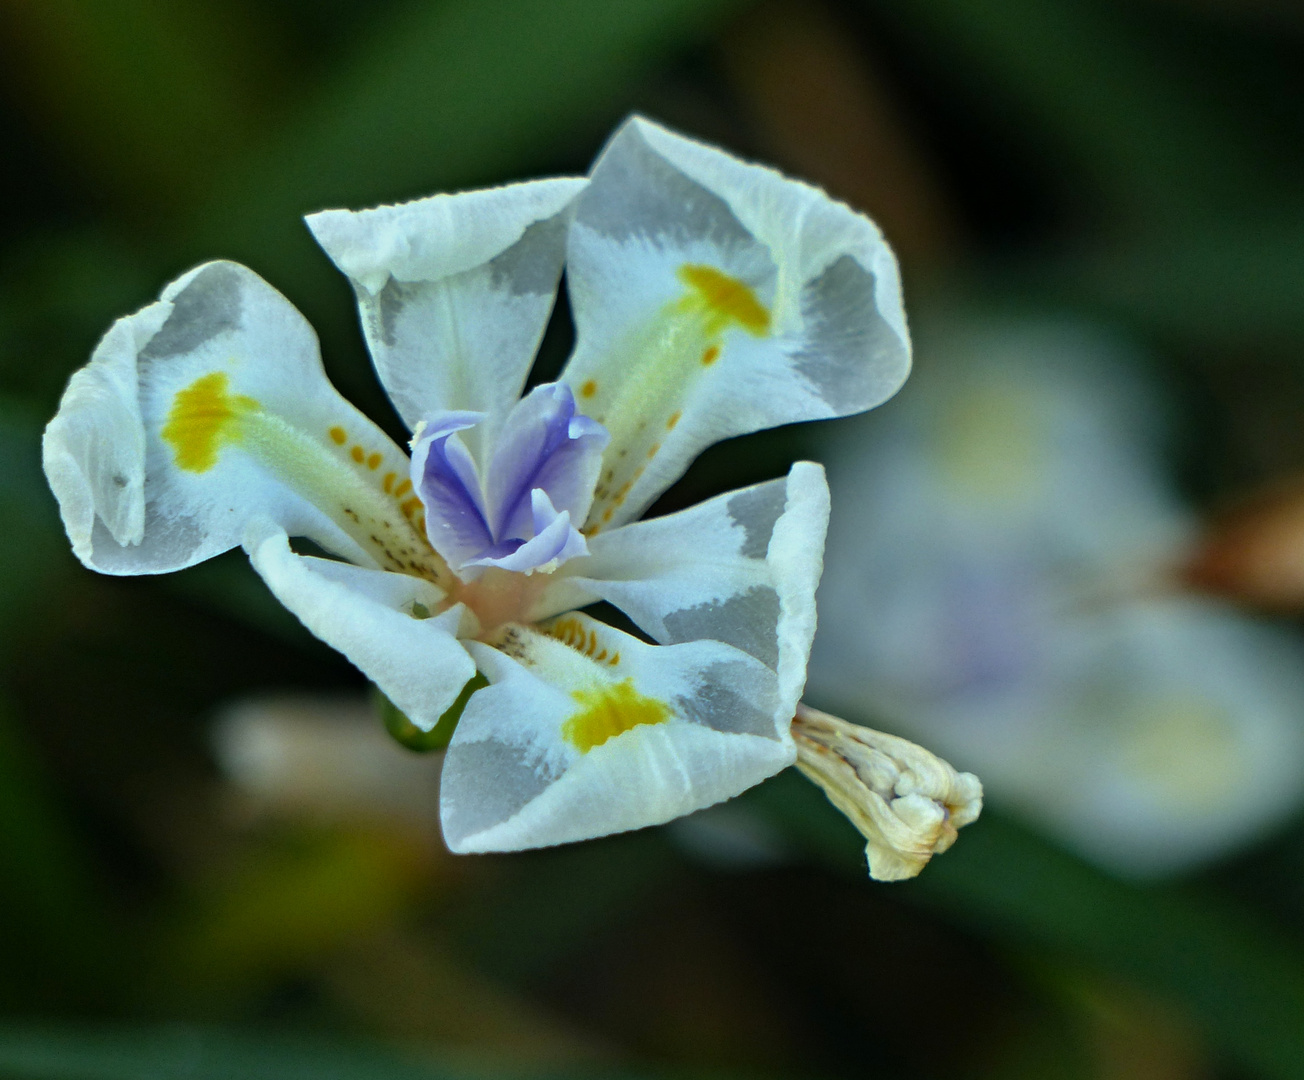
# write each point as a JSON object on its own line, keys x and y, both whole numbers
{"x": 540, "y": 480}
{"x": 543, "y": 445}
{"x": 446, "y": 479}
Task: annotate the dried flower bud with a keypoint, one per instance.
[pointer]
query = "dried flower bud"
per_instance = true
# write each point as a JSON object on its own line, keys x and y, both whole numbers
{"x": 906, "y": 802}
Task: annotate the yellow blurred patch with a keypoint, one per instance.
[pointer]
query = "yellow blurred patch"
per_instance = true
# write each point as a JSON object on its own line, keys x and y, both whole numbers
{"x": 609, "y": 711}
{"x": 990, "y": 445}
{"x": 202, "y": 420}
{"x": 1185, "y": 749}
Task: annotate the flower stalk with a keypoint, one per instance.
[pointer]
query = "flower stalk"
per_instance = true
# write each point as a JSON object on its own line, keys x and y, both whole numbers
{"x": 907, "y": 803}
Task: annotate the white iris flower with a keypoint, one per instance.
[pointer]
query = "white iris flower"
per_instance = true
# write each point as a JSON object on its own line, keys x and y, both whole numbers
{"x": 710, "y": 298}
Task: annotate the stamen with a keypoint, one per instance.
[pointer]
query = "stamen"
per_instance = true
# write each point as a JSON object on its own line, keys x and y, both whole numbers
{"x": 906, "y": 802}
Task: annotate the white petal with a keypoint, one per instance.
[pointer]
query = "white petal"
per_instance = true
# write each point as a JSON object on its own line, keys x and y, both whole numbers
{"x": 741, "y": 568}
{"x": 379, "y": 620}
{"x": 604, "y": 734}
{"x": 210, "y": 408}
{"x": 713, "y": 298}
{"x": 455, "y": 291}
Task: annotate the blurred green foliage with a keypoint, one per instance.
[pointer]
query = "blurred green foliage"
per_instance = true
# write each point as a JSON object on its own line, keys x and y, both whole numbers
{"x": 1138, "y": 161}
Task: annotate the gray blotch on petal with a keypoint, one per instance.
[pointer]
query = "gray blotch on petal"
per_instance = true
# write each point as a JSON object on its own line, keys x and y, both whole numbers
{"x": 748, "y": 621}
{"x": 208, "y": 306}
{"x": 387, "y": 307}
{"x": 168, "y": 543}
{"x": 849, "y": 342}
{"x": 635, "y": 192}
{"x": 532, "y": 265}
{"x": 756, "y": 510}
{"x": 485, "y": 783}
{"x": 722, "y": 708}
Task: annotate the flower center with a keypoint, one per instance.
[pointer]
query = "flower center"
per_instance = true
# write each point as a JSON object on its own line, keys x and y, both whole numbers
{"x": 498, "y": 597}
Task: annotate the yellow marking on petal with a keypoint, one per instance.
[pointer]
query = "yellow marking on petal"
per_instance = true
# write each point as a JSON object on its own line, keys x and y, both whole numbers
{"x": 652, "y": 450}
{"x": 373, "y": 462}
{"x": 357, "y": 453}
{"x": 589, "y": 389}
{"x": 608, "y": 711}
{"x": 724, "y": 299}
{"x": 402, "y": 489}
{"x": 410, "y": 505}
{"x": 674, "y": 419}
{"x": 203, "y": 418}
{"x": 339, "y": 436}
{"x": 710, "y": 355}
{"x": 388, "y": 482}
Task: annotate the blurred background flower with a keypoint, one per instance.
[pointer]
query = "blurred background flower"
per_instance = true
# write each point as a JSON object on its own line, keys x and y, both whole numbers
{"x": 1041, "y": 165}
{"x": 1000, "y": 581}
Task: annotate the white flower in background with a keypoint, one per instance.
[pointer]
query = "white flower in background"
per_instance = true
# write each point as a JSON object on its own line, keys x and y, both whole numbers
{"x": 321, "y": 755}
{"x": 710, "y": 297}
{"x": 994, "y": 575}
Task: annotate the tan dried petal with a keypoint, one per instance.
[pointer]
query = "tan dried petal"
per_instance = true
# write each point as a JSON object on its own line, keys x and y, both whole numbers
{"x": 907, "y": 803}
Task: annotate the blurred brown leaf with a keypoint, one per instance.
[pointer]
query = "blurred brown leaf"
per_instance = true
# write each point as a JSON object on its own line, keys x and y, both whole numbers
{"x": 1254, "y": 551}
{"x": 822, "y": 110}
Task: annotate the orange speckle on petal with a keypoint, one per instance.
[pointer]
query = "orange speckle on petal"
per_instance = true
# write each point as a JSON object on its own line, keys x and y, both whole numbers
{"x": 674, "y": 419}
{"x": 710, "y": 355}
{"x": 374, "y": 461}
{"x": 608, "y": 513}
{"x": 403, "y": 488}
{"x": 409, "y": 505}
{"x": 388, "y": 482}
{"x": 589, "y": 389}
{"x": 357, "y": 453}
{"x": 339, "y": 436}
{"x": 652, "y": 450}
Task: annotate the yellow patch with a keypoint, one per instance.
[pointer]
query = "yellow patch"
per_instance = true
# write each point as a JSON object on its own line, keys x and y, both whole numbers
{"x": 589, "y": 389}
{"x": 710, "y": 355}
{"x": 608, "y": 711}
{"x": 373, "y": 462}
{"x": 674, "y": 419}
{"x": 202, "y": 420}
{"x": 357, "y": 453}
{"x": 992, "y": 444}
{"x": 339, "y": 436}
{"x": 725, "y": 300}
